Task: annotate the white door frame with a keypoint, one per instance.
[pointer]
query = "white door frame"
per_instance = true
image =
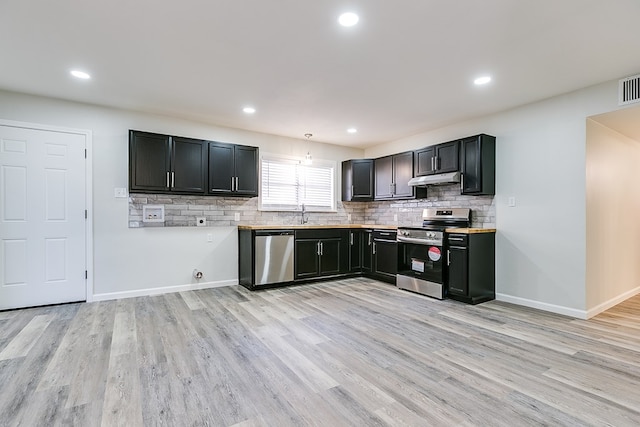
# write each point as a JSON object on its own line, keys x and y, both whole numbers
{"x": 88, "y": 190}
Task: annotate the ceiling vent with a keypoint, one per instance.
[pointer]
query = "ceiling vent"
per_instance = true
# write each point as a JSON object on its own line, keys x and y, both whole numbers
{"x": 629, "y": 90}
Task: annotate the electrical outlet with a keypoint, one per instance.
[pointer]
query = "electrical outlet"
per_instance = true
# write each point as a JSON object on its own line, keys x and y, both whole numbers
{"x": 209, "y": 237}
{"x": 120, "y": 193}
{"x": 201, "y": 221}
{"x": 348, "y": 217}
{"x": 395, "y": 217}
{"x": 511, "y": 202}
{"x": 236, "y": 216}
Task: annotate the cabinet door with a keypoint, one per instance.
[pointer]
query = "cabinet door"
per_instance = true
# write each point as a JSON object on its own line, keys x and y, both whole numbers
{"x": 458, "y": 270}
{"x": 424, "y": 161}
{"x": 403, "y": 172}
{"x": 471, "y": 167}
{"x": 306, "y": 258}
{"x": 385, "y": 258}
{"x": 355, "y": 251}
{"x": 246, "y": 170}
{"x": 149, "y": 162}
{"x": 448, "y": 157}
{"x": 188, "y": 165}
{"x": 383, "y": 177}
{"x": 362, "y": 180}
{"x": 221, "y": 171}
{"x": 367, "y": 248}
{"x": 329, "y": 256}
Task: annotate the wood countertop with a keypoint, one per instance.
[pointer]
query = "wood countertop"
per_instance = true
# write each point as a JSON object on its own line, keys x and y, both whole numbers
{"x": 470, "y": 230}
{"x": 312, "y": 226}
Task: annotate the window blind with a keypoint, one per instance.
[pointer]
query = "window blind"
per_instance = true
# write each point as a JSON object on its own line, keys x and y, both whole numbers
{"x": 287, "y": 185}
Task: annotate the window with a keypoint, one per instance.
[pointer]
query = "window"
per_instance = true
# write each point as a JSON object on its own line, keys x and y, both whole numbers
{"x": 286, "y": 185}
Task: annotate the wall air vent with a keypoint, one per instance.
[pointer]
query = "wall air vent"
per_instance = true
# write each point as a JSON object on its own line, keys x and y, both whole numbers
{"x": 629, "y": 90}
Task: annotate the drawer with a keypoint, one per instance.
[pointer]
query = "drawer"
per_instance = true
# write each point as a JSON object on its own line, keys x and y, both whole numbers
{"x": 458, "y": 239}
{"x": 320, "y": 233}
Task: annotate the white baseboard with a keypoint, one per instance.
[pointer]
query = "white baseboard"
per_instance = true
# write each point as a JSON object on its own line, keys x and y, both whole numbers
{"x": 612, "y": 302}
{"x": 163, "y": 290}
{"x": 572, "y": 312}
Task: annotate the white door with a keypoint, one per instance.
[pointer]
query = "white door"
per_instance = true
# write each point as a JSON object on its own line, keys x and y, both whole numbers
{"x": 42, "y": 217}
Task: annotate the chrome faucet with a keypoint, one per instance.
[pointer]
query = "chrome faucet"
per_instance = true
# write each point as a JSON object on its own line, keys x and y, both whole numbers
{"x": 303, "y": 220}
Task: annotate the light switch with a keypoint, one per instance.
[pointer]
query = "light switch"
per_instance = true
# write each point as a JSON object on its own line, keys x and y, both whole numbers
{"x": 511, "y": 202}
{"x": 120, "y": 193}
{"x": 209, "y": 237}
{"x": 395, "y": 217}
{"x": 348, "y": 217}
{"x": 236, "y": 217}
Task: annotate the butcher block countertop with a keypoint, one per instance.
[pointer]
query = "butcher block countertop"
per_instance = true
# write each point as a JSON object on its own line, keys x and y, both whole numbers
{"x": 470, "y": 230}
{"x": 312, "y": 226}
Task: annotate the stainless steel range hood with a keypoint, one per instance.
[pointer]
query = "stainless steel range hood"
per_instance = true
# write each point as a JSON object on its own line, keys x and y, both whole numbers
{"x": 439, "y": 179}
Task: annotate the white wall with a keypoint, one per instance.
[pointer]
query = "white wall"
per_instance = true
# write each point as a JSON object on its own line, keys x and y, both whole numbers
{"x": 126, "y": 260}
{"x": 613, "y": 229}
{"x": 541, "y": 154}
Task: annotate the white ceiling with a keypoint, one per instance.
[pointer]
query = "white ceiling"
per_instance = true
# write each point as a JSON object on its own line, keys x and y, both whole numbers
{"x": 406, "y": 67}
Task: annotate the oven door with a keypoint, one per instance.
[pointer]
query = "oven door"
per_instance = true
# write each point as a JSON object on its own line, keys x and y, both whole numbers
{"x": 421, "y": 261}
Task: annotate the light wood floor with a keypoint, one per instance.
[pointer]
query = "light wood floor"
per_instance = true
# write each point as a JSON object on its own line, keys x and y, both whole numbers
{"x": 353, "y": 352}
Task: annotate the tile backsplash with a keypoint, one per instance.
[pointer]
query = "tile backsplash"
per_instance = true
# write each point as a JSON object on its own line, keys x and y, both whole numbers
{"x": 182, "y": 211}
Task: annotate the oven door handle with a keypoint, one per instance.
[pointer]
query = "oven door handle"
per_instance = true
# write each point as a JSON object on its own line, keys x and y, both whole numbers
{"x": 419, "y": 241}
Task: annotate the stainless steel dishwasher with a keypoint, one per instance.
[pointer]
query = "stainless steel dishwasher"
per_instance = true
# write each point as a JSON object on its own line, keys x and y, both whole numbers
{"x": 274, "y": 256}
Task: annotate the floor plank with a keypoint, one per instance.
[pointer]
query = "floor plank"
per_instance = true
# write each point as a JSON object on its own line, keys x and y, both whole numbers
{"x": 344, "y": 353}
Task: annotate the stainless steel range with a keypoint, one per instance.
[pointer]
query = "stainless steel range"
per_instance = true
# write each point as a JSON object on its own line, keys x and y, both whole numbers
{"x": 421, "y": 267}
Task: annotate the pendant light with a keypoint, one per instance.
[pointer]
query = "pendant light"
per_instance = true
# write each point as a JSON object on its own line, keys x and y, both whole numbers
{"x": 307, "y": 159}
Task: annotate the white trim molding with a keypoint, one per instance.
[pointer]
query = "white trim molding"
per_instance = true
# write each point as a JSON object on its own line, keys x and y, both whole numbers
{"x": 558, "y": 309}
{"x": 612, "y": 302}
{"x": 163, "y": 290}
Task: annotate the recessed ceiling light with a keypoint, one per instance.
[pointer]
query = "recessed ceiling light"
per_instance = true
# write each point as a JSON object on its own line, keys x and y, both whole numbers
{"x": 482, "y": 80}
{"x": 80, "y": 74}
{"x": 348, "y": 19}
{"x": 352, "y": 130}
{"x": 249, "y": 110}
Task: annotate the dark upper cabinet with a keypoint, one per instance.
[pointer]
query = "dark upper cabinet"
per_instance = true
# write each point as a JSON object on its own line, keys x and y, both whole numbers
{"x": 392, "y": 175}
{"x": 357, "y": 180}
{"x": 233, "y": 170}
{"x": 441, "y": 158}
{"x": 478, "y": 165}
{"x": 189, "y": 165}
{"x": 162, "y": 164}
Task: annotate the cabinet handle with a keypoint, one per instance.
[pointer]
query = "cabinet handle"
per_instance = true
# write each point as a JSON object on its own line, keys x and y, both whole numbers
{"x": 168, "y": 184}
{"x": 456, "y": 239}
{"x": 321, "y": 248}
{"x": 448, "y": 257}
{"x": 318, "y": 248}
{"x": 173, "y": 179}
{"x": 374, "y": 248}
{"x": 351, "y": 239}
{"x": 237, "y": 186}
{"x": 461, "y": 182}
{"x": 233, "y": 184}
{"x": 368, "y": 239}
{"x": 433, "y": 164}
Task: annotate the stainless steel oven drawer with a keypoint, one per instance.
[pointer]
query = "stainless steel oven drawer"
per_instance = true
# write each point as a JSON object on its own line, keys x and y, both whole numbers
{"x": 435, "y": 290}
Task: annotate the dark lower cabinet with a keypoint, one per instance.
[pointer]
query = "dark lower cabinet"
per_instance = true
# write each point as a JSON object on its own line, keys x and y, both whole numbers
{"x": 384, "y": 255}
{"x": 367, "y": 251}
{"x": 471, "y": 267}
{"x": 320, "y": 253}
{"x": 355, "y": 251}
